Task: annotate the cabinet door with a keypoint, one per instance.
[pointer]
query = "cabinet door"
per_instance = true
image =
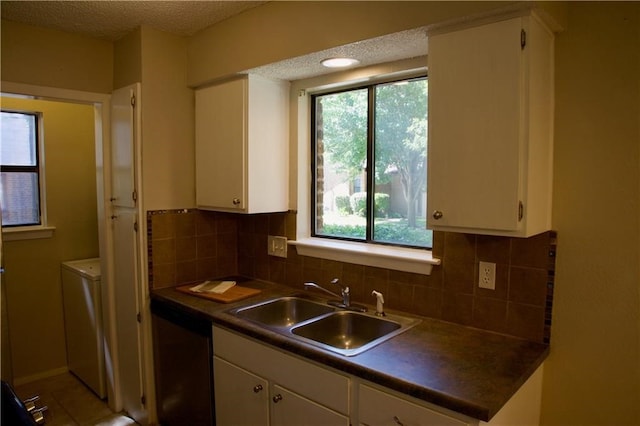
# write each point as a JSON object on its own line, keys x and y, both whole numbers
{"x": 377, "y": 408}
{"x": 220, "y": 146}
{"x": 241, "y": 397}
{"x": 290, "y": 409}
{"x": 124, "y": 140}
{"x": 475, "y": 131}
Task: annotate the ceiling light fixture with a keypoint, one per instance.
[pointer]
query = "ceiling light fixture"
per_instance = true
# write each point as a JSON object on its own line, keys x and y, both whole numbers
{"x": 339, "y": 62}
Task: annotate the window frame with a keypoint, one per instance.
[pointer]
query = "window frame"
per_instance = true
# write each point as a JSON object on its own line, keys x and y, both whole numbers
{"x": 419, "y": 261}
{"x": 40, "y": 229}
{"x": 370, "y": 87}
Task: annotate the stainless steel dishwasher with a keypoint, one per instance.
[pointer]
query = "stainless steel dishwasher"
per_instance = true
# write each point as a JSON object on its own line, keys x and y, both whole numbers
{"x": 183, "y": 363}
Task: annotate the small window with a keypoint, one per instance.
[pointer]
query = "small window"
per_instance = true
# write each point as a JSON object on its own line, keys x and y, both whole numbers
{"x": 369, "y": 164}
{"x": 19, "y": 170}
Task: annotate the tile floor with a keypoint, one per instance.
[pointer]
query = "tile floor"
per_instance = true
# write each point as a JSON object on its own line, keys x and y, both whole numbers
{"x": 71, "y": 403}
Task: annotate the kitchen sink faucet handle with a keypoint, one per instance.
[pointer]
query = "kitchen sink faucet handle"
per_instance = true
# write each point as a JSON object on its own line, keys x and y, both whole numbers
{"x": 344, "y": 292}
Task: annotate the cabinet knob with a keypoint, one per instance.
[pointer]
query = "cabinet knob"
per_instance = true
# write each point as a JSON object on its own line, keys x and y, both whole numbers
{"x": 257, "y": 388}
{"x": 236, "y": 201}
{"x": 277, "y": 398}
{"x": 437, "y": 215}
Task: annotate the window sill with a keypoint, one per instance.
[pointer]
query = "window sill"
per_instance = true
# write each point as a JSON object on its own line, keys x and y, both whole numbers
{"x": 396, "y": 258}
{"x": 27, "y": 233}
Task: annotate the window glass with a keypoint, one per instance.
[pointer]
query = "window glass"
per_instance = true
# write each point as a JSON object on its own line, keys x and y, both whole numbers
{"x": 340, "y": 164}
{"x": 382, "y": 128}
{"x": 18, "y": 139}
{"x": 19, "y": 177}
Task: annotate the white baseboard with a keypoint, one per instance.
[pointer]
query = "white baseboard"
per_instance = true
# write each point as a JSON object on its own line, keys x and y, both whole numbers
{"x": 17, "y": 381}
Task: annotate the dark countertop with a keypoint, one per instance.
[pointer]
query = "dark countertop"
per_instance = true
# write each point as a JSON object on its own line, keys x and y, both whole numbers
{"x": 463, "y": 369}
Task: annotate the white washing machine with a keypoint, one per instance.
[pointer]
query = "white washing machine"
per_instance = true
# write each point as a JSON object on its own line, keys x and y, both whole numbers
{"x": 83, "y": 322}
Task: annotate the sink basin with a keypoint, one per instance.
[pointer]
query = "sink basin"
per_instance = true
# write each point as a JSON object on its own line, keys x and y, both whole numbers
{"x": 345, "y": 332}
{"x": 284, "y": 311}
{"x": 351, "y": 333}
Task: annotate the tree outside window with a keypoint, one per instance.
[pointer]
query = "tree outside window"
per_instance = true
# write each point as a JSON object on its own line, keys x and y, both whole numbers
{"x": 382, "y": 128}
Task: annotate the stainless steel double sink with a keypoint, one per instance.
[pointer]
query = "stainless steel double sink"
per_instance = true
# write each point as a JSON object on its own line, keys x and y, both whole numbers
{"x": 341, "y": 331}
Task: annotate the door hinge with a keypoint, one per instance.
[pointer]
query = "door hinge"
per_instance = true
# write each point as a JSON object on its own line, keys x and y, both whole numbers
{"x": 520, "y": 211}
{"x": 135, "y": 226}
{"x": 133, "y": 100}
{"x": 134, "y": 196}
{"x": 139, "y": 317}
{"x": 143, "y": 399}
{"x": 523, "y": 39}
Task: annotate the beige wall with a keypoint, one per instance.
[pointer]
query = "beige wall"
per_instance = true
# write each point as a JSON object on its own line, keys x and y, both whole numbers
{"x": 32, "y": 275}
{"x": 127, "y": 60}
{"x": 281, "y": 30}
{"x": 593, "y": 373}
{"x": 168, "y": 151}
{"x": 44, "y": 57}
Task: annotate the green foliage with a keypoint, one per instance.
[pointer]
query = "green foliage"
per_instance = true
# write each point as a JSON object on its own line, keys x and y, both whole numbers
{"x": 402, "y": 233}
{"x": 344, "y": 231}
{"x": 381, "y": 204}
{"x": 400, "y": 135}
{"x": 359, "y": 203}
{"x": 343, "y": 203}
{"x": 344, "y": 130}
{"x": 385, "y": 231}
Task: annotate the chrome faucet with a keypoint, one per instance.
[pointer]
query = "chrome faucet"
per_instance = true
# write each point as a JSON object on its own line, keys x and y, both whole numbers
{"x": 345, "y": 296}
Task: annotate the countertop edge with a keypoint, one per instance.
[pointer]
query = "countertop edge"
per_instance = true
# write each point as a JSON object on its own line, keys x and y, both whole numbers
{"x": 217, "y": 314}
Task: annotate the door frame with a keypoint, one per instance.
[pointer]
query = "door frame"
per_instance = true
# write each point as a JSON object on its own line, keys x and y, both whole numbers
{"x": 102, "y": 108}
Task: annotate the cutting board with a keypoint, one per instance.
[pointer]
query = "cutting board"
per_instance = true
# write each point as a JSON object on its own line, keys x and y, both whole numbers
{"x": 234, "y": 294}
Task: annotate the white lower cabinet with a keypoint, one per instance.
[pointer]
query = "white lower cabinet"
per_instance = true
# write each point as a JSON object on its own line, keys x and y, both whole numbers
{"x": 241, "y": 397}
{"x": 291, "y": 409}
{"x": 257, "y": 385}
{"x": 378, "y": 408}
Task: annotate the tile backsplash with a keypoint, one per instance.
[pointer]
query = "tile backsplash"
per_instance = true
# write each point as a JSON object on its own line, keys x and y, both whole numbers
{"x": 191, "y": 245}
{"x": 187, "y": 246}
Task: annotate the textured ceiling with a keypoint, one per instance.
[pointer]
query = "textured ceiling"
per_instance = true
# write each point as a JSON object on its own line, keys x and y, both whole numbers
{"x": 110, "y": 20}
{"x": 388, "y": 48}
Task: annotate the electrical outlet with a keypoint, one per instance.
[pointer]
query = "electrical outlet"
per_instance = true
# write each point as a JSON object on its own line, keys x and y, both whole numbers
{"x": 487, "y": 275}
{"x": 277, "y": 246}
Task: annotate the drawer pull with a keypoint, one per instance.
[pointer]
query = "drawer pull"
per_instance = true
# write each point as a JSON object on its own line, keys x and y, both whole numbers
{"x": 437, "y": 215}
{"x": 397, "y": 420}
{"x": 277, "y": 398}
{"x": 257, "y": 388}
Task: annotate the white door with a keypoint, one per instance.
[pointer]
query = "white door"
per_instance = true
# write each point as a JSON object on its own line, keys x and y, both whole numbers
{"x": 125, "y": 217}
{"x": 5, "y": 368}
{"x": 122, "y": 147}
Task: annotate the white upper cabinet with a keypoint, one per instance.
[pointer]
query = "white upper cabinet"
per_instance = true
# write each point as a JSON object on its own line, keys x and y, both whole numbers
{"x": 490, "y": 164}
{"x": 242, "y": 146}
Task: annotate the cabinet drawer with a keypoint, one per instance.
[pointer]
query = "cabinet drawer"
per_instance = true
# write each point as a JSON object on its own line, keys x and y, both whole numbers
{"x": 320, "y": 384}
{"x": 377, "y": 408}
{"x": 296, "y": 410}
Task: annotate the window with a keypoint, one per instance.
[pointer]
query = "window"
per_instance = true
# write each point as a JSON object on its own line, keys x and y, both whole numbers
{"x": 369, "y": 150}
{"x": 19, "y": 170}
